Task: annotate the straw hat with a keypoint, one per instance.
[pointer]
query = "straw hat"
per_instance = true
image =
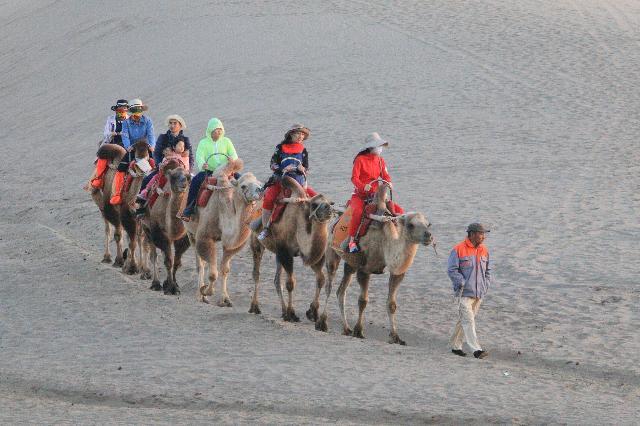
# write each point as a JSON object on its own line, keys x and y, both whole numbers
{"x": 177, "y": 118}
{"x": 298, "y": 128}
{"x": 137, "y": 103}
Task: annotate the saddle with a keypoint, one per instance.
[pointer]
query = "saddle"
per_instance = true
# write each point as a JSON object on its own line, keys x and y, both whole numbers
{"x": 340, "y": 228}
{"x": 205, "y": 193}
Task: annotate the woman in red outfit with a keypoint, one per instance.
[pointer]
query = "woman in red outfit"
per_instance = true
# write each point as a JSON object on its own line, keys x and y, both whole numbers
{"x": 367, "y": 167}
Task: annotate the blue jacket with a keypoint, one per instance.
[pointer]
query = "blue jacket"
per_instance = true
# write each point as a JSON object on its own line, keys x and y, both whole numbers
{"x": 132, "y": 131}
{"x": 469, "y": 266}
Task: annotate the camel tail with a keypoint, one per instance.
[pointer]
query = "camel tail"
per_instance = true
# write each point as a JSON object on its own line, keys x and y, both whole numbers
{"x": 111, "y": 152}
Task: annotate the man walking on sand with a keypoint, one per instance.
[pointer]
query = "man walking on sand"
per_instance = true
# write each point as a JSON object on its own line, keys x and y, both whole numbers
{"x": 470, "y": 273}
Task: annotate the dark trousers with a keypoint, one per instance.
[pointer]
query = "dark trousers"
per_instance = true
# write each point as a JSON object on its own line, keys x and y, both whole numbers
{"x": 123, "y": 166}
{"x": 196, "y": 181}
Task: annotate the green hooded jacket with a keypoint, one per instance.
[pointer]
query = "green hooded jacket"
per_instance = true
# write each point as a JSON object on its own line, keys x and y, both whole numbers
{"x": 211, "y": 152}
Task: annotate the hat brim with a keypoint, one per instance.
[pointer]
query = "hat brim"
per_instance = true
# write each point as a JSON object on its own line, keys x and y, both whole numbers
{"x": 115, "y": 107}
{"x": 375, "y": 144}
{"x": 303, "y": 130}
{"x": 144, "y": 107}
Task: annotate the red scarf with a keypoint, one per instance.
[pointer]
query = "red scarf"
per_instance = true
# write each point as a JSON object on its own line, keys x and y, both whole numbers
{"x": 292, "y": 148}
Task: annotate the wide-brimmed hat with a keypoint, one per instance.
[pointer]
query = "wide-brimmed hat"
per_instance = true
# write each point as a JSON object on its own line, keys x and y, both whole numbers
{"x": 298, "y": 128}
{"x": 177, "y": 118}
{"x": 137, "y": 103}
{"x": 477, "y": 227}
{"x": 120, "y": 103}
{"x": 373, "y": 140}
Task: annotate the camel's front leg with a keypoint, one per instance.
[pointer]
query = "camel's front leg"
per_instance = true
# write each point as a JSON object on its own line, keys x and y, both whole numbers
{"x": 180, "y": 246}
{"x": 169, "y": 285}
{"x": 131, "y": 226}
{"x": 312, "y": 313}
{"x": 107, "y": 240}
{"x": 287, "y": 263}
{"x": 277, "y": 282}
{"x": 394, "y": 284}
{"x": 257, "y": 250}
{"x": 363, "y": 280}
{"x": 225, "y": 267}
{"x": 332, "y": 260}
{"x": 145, "y": 250}
{"x": 342, "y": 293}
{"x": 117, "y": 236}
{"x": 155, "y": 281}
{"x": 206, "y": 249}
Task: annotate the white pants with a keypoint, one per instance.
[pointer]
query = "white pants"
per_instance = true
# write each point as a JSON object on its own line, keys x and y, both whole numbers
{"x": 466, "y": 324}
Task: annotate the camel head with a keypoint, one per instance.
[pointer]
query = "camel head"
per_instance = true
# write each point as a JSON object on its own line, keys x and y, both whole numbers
{"x": 141, "y": 148}
{"x": 179, "y": 178}
{"x": 319, "y": 207}
{"x": 416, "y": 228}
{"x": 249, "y": 186}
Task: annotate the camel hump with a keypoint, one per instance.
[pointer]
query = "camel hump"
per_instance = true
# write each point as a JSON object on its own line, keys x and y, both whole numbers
{"x": 111, "y": 152}
{"x": 231, "y": 167}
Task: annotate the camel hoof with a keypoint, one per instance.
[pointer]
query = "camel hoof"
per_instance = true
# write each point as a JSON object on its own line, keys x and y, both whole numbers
{"x": 170, "y": 288}
{"x": 155, "y": 286}
{"x": 312, "y": 314}
{"x": 118, "y": 262}
{"x": 225, "y": 303}
{"x": 146, "y": 275}
{"x": 206, "y": 291}
{"x": 358, "y": 332}
{"x": 346, "y": 331}
{"x": 131, "y": 270}
{"x": 291, "y": 317}
{"x": 106, "y": 259}
{"x": 321, "y": 324}
{"x": 254, "y": 309}
{"x": 394, "y": 338}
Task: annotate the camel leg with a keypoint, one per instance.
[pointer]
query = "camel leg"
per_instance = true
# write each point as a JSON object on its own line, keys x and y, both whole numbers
{"x": 145, "y": 251}
{"x": 180, "y": 247}
{"x": 257, "y": 250}
{"x": 169, "y": 286}
{"x": 277, "y": 282}
{"x": 117, "y": 236}
{"x": 130, "y": 225}
{"x": 363, "y": 280}
{"x": 287, "y": 263}
{"x": 155, "y": 281}
{"x": 225, "y": 267}
{"x": 342, "y": 293}
{"x": 200, "y": 267}
{"x": 107, "y": 239}
{"x": 332, "y": 260}
{"x": 206, "y": 249}
{"x": 394, "y": 284}
{"x": 312, "y": 313}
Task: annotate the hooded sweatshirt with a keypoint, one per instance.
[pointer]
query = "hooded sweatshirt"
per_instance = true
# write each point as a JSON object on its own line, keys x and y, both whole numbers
{"x": 211, "y": 152}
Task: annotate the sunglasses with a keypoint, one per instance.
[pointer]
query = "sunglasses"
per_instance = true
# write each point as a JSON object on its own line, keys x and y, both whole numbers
{"x": 136, "y": 110}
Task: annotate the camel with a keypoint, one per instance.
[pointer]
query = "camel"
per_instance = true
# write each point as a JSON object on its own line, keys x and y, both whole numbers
{"x": 391, "y": 244}
{"x": 120, "y": 216}
{"x": 164, "y": 231}
{"x": 224, "y": 219}
{"x": 301, "y": 231}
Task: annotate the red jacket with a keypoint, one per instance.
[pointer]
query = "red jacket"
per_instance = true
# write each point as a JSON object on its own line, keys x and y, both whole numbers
{"x": 367, "y": 167}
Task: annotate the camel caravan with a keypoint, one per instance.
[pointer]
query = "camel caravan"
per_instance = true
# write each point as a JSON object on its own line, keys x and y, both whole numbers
{"x": 145, "y": 188}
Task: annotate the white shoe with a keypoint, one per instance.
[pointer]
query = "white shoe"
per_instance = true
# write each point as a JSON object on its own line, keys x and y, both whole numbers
{"x": 263, "y": 234}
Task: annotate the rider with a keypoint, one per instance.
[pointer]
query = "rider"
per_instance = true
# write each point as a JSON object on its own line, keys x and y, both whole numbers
{"x": 368, "y": 166}
{"x": 133, "y": 128}
{"x": 214, "y": 150}
{"x": 289, "y": 159}
{"x": 112, "y": 134}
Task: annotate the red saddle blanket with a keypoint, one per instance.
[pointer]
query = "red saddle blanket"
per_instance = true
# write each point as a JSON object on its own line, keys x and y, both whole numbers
{"x": 205, "y": 193}
{"x": 152, "y": 191}
{"x": 128, "y": 180}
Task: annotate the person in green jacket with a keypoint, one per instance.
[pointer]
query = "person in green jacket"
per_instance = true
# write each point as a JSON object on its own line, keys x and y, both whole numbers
{"x": 214, "y": 150}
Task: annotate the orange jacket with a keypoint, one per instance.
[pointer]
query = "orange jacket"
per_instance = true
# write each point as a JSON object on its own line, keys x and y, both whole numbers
{"x": 367, "y": 167}
{"x": 469, "y": 266}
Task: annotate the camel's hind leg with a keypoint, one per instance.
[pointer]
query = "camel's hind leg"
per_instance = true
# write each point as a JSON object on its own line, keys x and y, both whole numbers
{"x": 225, "y": 267}
{"x": 332, "y": 260}
{"x": 117, "y": 236}
{"x": 394, "y": 284}
{"x": 200, "y": 271}
{"x": 206, "y": 249}
{"x": 257, "y": 250}
{"x": 145, "y": 252}
{"x": 363, "y": 280}
{"x": 312, "y": 313}
{"x": 107, "y": 240}
{"x": 286, "y": 260}
{"x": 342, "y": 293}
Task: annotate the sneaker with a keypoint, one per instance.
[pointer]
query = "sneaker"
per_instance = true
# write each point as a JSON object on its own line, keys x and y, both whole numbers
{"x": 263, "y": 234}
{"x": 480, "y": 354}
{"x": 458, "y": 352}
{"x": 353, "y": 247}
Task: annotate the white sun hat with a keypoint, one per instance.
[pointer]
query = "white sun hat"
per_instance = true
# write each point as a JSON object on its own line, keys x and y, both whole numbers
{"x": 177, "y": 118}
{"x": 373, "y": 140}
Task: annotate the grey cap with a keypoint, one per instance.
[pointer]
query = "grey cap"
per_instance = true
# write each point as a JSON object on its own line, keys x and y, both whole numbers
{"x": 477, "y": 227}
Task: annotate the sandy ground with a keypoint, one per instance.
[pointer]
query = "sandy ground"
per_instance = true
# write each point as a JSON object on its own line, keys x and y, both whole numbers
{"x": 521, "y": 114}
